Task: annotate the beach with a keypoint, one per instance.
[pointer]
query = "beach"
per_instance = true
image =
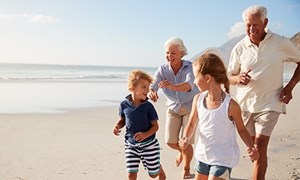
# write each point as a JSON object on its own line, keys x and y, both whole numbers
{"x": 79, "y": 144}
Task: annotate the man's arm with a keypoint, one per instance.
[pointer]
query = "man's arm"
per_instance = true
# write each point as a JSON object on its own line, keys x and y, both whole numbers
{"x": 243, "y": 78}
{"x": 286, "y": 93}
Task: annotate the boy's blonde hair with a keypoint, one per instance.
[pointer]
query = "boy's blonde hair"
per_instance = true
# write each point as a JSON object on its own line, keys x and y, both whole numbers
{"x": 135, "y": 76}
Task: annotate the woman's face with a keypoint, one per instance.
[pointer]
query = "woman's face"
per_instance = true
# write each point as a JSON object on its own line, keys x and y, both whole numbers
{"x": 173, "y": 55}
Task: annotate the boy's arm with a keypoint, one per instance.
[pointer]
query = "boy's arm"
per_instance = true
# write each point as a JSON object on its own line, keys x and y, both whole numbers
{"x": 235, "y": 115}
{"x": 119, "y": 125}
{"x": 140, "y": 136}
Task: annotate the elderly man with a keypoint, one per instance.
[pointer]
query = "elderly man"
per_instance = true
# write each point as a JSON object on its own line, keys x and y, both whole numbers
{"x": 256, "y": 67}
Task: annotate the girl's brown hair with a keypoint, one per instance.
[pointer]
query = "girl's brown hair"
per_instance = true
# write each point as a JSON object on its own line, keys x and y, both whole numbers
{"x": 210, "y": 63}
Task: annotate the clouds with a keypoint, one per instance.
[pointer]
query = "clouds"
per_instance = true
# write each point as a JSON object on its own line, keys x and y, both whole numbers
{"x": 239, "y": 28}
{"x": 236, "y": 30}
{"x": 31, "y": 18}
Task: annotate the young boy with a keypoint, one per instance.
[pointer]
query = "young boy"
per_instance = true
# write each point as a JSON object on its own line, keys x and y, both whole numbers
{"x": 140, "y": 119}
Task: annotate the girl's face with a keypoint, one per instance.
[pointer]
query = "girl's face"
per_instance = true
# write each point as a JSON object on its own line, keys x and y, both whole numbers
{"x": 141, "y": 89}
{"x": 173, "y": 55}
{"x": 201, "y": 81}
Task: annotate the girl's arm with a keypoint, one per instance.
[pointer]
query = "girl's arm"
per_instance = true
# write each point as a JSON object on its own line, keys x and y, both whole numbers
{"x": 141, "y": 136}
{"x": 235, "y": 115}
{"x": 120, "y": 124}
{"x": 191, "y": 126}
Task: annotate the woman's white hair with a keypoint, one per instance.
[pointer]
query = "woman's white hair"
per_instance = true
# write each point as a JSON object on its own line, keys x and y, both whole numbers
{"x": 178, "y": 42}
{"x": 256, "y": 10}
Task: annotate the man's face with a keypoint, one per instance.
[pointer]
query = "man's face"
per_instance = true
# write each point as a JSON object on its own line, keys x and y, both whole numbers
{"x": 255, "y": 28}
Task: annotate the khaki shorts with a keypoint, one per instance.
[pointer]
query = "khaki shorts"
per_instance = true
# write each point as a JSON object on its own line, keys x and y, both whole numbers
{"x": 175, "y": 124}
{"x": 260, "y": 123}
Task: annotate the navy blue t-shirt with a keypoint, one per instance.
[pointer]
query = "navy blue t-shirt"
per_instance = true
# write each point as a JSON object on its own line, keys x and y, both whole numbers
{"x": 137, "y": 119}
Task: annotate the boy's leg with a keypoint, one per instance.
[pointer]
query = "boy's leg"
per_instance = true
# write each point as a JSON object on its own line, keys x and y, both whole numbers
{"x": 162, "y": 175}
{"x": 132, "y": 175}
{"x": 132, "y": 161}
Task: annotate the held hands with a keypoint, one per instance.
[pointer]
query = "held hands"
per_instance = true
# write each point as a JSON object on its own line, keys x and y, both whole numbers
{"x": 183, "y": 143}
{"x": 244, "y": 78}
{"x": 252, "y": 153}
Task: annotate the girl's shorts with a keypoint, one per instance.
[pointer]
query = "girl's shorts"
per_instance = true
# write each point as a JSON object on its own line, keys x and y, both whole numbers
{"x": 215, "y": 170}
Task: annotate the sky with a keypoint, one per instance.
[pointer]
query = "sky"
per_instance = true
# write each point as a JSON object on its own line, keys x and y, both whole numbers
{"x": 125, "y": 32}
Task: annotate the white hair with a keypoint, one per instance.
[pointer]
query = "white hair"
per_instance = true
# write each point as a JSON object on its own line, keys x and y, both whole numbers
{"x": 256, "y": 10}
{"x": 178, "y": 42}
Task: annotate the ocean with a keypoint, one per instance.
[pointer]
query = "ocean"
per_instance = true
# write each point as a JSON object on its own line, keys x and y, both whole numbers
{"x": 43, "y": 88}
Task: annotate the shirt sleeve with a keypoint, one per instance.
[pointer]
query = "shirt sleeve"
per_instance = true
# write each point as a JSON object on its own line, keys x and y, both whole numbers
{"x": 157, "y": 78}
{"x": 234, "y": 65}
{"x": 121, "y": 112}
{"x": 293, "y": 54}
{"x": 152, "y": 113}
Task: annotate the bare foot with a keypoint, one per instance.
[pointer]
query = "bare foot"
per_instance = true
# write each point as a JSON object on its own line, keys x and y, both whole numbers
{"x": 178, "y": 159}
{"x": 187, "y": 175}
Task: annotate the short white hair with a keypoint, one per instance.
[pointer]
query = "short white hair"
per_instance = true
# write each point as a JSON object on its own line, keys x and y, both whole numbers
{"x": 256, "y": 10}
{"x": 178, "y": 42}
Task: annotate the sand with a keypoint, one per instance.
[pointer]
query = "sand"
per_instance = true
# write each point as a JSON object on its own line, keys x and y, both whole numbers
{"x": 79, "y": 144}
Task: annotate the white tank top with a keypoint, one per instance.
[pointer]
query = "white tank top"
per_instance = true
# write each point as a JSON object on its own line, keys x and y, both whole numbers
{"x": 217, "y": 137}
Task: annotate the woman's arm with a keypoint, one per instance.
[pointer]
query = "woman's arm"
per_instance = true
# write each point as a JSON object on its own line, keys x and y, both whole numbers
{"x": 181, "y": 87}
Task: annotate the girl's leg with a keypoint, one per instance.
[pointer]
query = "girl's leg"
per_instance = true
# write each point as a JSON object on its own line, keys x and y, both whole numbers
{"x": 200, "y": 176}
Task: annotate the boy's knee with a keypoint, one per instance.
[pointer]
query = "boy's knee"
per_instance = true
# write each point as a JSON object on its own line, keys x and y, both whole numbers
{"x": 132, "y": 175}
{"x": 153, "y": 175}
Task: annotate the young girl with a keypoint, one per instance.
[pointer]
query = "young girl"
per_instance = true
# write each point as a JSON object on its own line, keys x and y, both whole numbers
{"x": 140, "y": 119}
{"x": 217, "y": 116}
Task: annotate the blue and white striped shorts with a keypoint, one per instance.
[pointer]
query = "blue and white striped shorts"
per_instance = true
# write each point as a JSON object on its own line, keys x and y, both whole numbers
{"x": 147, "y": 152}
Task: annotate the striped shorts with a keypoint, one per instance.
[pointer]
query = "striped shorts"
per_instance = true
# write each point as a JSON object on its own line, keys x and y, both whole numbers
{"x": 147, "y": 152}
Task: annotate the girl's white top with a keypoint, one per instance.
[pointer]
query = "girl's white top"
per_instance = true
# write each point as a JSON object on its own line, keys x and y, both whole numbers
{"x": 217, "y": 137}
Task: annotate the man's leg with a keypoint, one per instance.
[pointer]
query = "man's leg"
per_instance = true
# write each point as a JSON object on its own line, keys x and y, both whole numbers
{"x": 260, "y": 166}
{"x": 264, "y": 125}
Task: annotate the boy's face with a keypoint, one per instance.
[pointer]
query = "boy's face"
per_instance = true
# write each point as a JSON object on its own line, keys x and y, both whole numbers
{"x": 141, "y": 89}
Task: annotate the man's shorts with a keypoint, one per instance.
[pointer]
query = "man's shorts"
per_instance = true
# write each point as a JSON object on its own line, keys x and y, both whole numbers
{"x": 260, "y": 123}
{"x": 147, "y": 152}
{"x": 215, "y": 170}
{"x": 175, "y": 124}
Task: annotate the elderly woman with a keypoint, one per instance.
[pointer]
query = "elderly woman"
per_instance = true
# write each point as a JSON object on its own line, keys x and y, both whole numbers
{"x": 176, "y": 80}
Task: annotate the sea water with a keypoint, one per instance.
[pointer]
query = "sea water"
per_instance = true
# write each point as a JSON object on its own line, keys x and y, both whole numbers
{"x": 47, "y": 88}
{"x": 37, "y": 88}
